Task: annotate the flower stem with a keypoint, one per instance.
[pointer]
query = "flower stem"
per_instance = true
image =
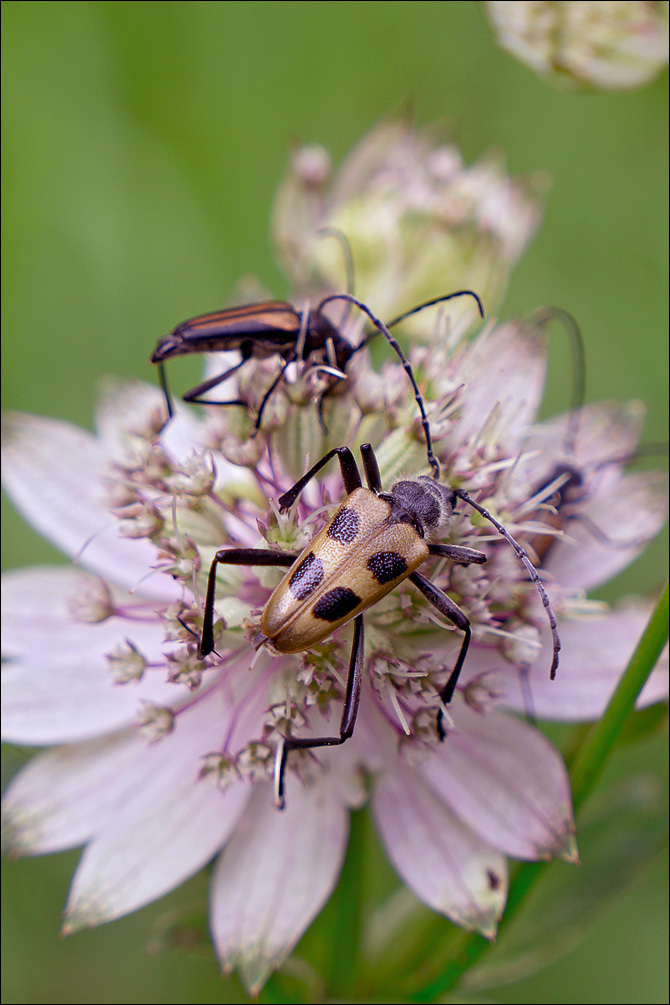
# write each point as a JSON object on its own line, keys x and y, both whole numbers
{"x": 591, "y": 756}
{"x": 346, "y": 932}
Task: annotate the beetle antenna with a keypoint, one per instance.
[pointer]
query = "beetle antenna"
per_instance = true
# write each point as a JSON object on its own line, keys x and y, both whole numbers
{"x": 420, "y": 307}
{"x": 438, "y": 300}
{"x": 544, "y": 316}
{"x": 532, "y": 572}
{"x": 381, "y": 327}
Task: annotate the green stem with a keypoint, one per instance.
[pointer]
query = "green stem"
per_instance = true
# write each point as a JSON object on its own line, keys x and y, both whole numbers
{"x": 594, "y": 751}
{"x": 586, "y": 768}
{"x": 346, "y": 933}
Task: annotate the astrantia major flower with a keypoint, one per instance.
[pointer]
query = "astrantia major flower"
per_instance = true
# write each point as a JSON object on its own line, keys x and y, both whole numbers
{"x": 413, "y": 213}
{"x": 161, "y": 761}
{"x": 606, "y": 44}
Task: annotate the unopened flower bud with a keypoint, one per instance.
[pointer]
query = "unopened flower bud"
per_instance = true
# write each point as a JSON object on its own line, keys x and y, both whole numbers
{"x": 607, "y": 44}
{"x": 522, "y": 646}
{"x": 311, "y": 165}
{"x": 184, "y": 667}
{"x": 195, "y": 477}
{"x": 155, "y": 721}
{"x": 223, "y": 769}
{"x": 126, "y": 663}
{"x": 92, "y": 601}
{"x": 140, "y": 520}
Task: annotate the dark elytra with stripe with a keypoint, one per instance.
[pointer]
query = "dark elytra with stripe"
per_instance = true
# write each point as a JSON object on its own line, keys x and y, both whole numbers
{"x": 275, "y": 327}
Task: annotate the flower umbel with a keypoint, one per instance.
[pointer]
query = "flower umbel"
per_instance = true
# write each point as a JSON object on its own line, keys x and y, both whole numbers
{"x": 412, "y": 213}
{"x": 448, "y": 812}
{"x": 596, "y": 44}
{"x": 162, "y": 760}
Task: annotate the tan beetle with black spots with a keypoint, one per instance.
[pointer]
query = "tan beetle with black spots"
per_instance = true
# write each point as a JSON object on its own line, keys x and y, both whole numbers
{"x": 374, "y": 541}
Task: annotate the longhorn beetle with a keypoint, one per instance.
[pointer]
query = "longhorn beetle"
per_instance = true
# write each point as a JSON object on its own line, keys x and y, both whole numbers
{"x": 271, "y": 328}
{"x": 563, "y": 493}
{"x": 374, "y": 541}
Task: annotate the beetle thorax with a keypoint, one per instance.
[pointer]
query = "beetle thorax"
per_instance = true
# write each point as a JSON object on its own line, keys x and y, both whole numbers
{"x": 427, "y": 503}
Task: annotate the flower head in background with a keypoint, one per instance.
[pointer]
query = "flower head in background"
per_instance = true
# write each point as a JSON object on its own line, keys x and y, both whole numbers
{"x": 611, "y": 46}
{"x": 418, "y": 221}
{"x": 160, "y": 761}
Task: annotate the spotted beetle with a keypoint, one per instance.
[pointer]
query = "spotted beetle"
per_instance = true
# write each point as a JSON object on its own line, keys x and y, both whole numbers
{"x": 374, "y": 541}
{"x": 275, "y": 327}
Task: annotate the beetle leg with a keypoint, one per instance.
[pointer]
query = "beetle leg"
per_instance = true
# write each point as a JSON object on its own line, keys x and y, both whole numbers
{"x": 463, "y": 556}
{"x": 347, "y": 722}
{"x": 268, "y": 393}
{"x": 446, "y": 606}
{"x": 348, "y": 467}
{"x": 603, "y": 538}
{"x": 234, "y": 556}
{"x": 194, "y": 395}
{"x": 371, "y": 468}
{"x": 162, "y": 379}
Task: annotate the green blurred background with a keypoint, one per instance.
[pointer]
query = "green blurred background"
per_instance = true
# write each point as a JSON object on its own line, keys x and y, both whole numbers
{"x": 143, "y": 143}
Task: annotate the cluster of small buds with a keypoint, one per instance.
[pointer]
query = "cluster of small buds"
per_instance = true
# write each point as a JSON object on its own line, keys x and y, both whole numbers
{"x": 412, "y": 213}
{"x": 415, "y": 677}
{"x": 179, "y": 555}
{"x": 231, "y": 436}
{"x": 282, "y": 719}
{"x": 185, "y": 667}
{"x": 222, "y": 768}
{"x": 607, "y": 44}
{"x": 255, "y": 761}
{"x": 126, "y": 663}
{"x": 322, "y": 674}
{"x": 193, "y": 479}
{"x": 182, "y": 622}
{"x": 92, "y": 602}
{"x": 404, "y": 688}
{"x": 141, "y": 519}
{"x": 481, "y": 694}
{"x": 423, "y": 736}
{"x": 155, "y": 721}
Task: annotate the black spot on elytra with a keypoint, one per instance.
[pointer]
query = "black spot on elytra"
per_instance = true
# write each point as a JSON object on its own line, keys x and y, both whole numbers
{"x": 306, "y": 577}
{"x": 336, "y": 604}
{"x": 344, "y": 525}
{"x": 386, "y": 565}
